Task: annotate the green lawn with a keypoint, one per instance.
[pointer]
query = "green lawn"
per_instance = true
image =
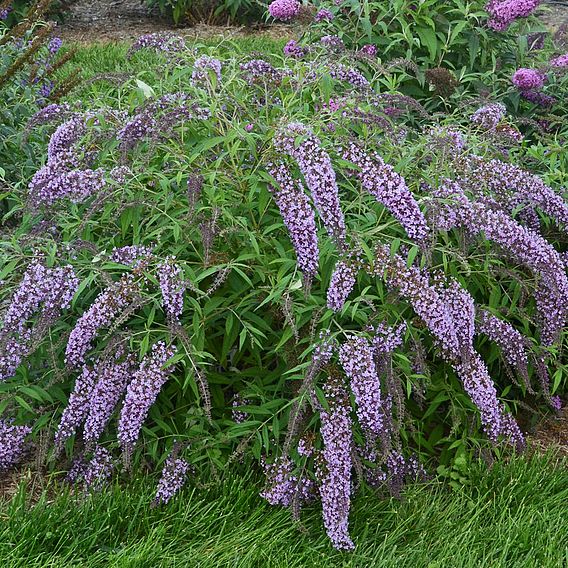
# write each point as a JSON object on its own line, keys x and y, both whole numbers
{"x": 515, "y": 515}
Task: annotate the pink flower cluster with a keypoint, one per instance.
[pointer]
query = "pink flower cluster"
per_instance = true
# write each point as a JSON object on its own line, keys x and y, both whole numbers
{"x": 502, "y": 13}
{"x": 284, "y": 10}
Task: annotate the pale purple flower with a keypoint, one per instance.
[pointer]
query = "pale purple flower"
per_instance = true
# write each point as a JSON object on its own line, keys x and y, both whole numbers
{"x": 388, "y": 188}
{"x": 174, "y": 475}
{"x": 335, "y": 472}
{"x": 341, "y": 284}
{"x": 489, "y": 116}
{"x": 560, "y": 62}
{"x": 323, "y": 15}
{"x": 141, "y": 393}
{"x": 315, "y": 164}
{"x": 357, "y": 359}
{"x": 12, "y": 444}
{"x": 203, "y": 68}
{"x": 165, "y": 42}
{"x": 369, "y": 50}
{"x": 298, "y": 217}
{"x": 504, "y": 12}
{"x": 172, "y": 286}
{"x": 294, "y": 49}
{"x": 130, "y": 255}
{"x": 54, "y": 45}
{"x": 97, "y": 471}
{"x": 282, "y": 484}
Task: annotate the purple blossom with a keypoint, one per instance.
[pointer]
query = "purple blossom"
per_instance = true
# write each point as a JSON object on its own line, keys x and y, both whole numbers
{"x": 12, "y": 444}
{"x": 513, "y": 344}
{"x": 239, "y": 416}
{"x": 54, "y": 45}
{"x": 282, "y": 486}
{"x": 52, "y": 289}
{"x": 78, "y": 406}
{"x": 315, "y": 164}
{"x": 98, "y": 470}
{"x": 523, "y": 244}
{"x": 141, "y": 393}
{"x": 489, "y": 116}
{"x": 341, "y": 284}
{"x": 560, "y": 62}
{"x": 323, "y": 15}
{"x": 49, "y": 113}
{"x": 335, "y": 473}
{"x": 174, "y": 475}
{"x": 101, "y": 313}
{"x": 295, "y": 50}
{"x": 203, "y": 67}
{"x": 172, "y": 286}
{"x": 5, "y": 12}
{"x": 513, "y": 186}
{"x": 528, "y": 79}
{"x": 130, "y": 255}
{"x": 386, "y": 339}
{"x": 298, "y": 217}
{"x": 538, "y": 98}
{"x": 349, "y": 75}
{"x": 167, "y": 43}
{"x": 284, "y": 10}
{"x": 332, "y": 42}
{"x": 260, "y": 71}
{"x": 369, "y": 50}
{"x": 357, "y": 358}
{"x": 112, "y": 379}
{"x": 389, "y": 188}
{"x": 504, "y": 12}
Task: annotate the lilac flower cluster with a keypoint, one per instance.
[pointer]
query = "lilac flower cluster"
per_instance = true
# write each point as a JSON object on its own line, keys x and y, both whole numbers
{"x": 239, "y": 416}
{"x": 52, "y": 289}
{"x": 295, "y": 50}
{"x": 389, "y": 188}
{"x": 77, "y": 407}
{"x": 349, "y": 75}
{"x": 323, "y": 15}
{"x": 260, "y": 71}
{"x": 298, "y": 217}
{"x": 489, "y": 116}
{"x": 98, "y": 470}
{"x": 368, "y": 50}
{"x": 141, "y": 393}
{"x": 560, "y": 62}
{"x": 284, "y": 10}
{"x": 538, "y": 98}
{"x": 449, "y": 141}
{"x": 12, "y": 444}
{"x": 167, "y": 43}
{"x": 513, "y": 186}
{"x": 4, "y": 13}
{"x": 130, "y": 255}
{"x": 203, "y": 67}
{"x": 357, "y": 358}
{"x": 386, "y": 339}
{"x": 335, "y": 473}
{"x": 504, "y": 12}
{"x": 49, "y": 113}
{"x": 158, "y": 118}
{"x": 283, "y": 486}
{"x": 174, "y": 475}
{"x": 526, "y": 246}
{"x": 512, "y": 343}
{"x": 101, "y": 313}
{"x": 315, "y": 164}
{"x": 112, "y": 379}
{"x": 332, "y": 42}
{"x": 341, "y": 284}
{"x": 172, "y": 286}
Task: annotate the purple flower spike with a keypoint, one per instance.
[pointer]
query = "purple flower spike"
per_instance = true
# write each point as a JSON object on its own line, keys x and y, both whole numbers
{"x": 174, "y": 475}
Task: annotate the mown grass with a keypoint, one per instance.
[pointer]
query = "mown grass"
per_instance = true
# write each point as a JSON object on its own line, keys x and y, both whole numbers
{"x": 513, "y": 515}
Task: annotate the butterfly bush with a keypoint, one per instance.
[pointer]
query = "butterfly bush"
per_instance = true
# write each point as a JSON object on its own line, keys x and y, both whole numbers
{"x": 489, "y": 116}
{"x": 202, "y": 67}
{"x": 284, "y": 10}
{"x": 528, "y": 79}
{"x": 50, "y": 289}
{"x": 111, "y": 383}
{"x": 141, "y": 393}
{"x": 102, "y": 312}
{"x": 315, "y": 164}
{"x": 167, "y": 43}
{"x": 341, "y": 284}
{"x": 12, "y": 444}
{"x": 357, "y": 358}
{"x": 502, "y": 13}
{"x": 335, "y": 471}
{"x": 298, "y": 216}
{"x": 172, "y": 286}
{"x": 525, "y": 245}
{"x": 390, "y": 189}
{"x": 174, "y": 475}
{"x": 98, "y": 470}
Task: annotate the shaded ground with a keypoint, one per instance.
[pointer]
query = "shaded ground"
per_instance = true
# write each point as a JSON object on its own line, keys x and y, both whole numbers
{"x": 114, "y": 20}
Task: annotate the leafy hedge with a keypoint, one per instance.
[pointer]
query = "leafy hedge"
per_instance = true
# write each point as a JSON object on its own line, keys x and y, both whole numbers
{"x": 285, "y": 260}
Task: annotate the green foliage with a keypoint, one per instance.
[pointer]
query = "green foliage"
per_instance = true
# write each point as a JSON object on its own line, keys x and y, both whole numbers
{"x": 212, "y": 11}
